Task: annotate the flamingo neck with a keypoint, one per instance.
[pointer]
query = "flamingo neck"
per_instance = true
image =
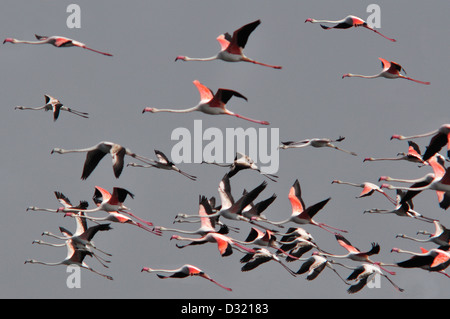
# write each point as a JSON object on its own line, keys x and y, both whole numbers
{"x": 155, "y": 110}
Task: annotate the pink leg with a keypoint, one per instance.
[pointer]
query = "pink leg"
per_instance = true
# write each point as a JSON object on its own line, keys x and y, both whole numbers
{"x": 251, "y": 120}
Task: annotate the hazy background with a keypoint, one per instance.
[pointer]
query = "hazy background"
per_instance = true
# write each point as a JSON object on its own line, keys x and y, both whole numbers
{"x": 306, "y": 99}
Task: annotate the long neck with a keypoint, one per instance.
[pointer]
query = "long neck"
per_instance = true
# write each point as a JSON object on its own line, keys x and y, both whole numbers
{"x": 201, "y": 59}
{"x": 326, "y": 21}
{"x": 192, "y": 109}
{"x": 31, "y": 42}
{"x": 348, "y": 183}
{"x": 364, "y": 76}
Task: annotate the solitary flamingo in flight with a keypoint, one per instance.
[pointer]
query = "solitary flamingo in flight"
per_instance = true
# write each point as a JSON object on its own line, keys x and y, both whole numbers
{"x": 210, "y": 103}
{"x": 368, "y": 189}
{"x": 346, "y": 23}
{"x": 183, "y": 272}
{"x": 232, "y": 47}
{"x": 163, "y": 162}
{"x": 441, "y": 137}
{"x": 302, "y": 214}
{"x": 57, "y": 41}
{"x": 315, "y": 142}
{"x": 391, "y": 70}
{"x": 54, "y": 105}
{"x": 97, "y": 152}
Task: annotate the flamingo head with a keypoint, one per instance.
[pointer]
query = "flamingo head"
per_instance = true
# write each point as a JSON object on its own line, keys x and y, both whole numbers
{"x": 398, "y": 137}
{"x": 9, "y": 40}
{"x": 148, "y": 109}
{"x": 396, "y": 250}
{"x": 386, "y": 186}
{"x": 180, "y": 57}
{"x": 346, "y": 75}
{"x": 147, "y": 269}
{"x": 336, "y": 182}
{"x": 384, "y": 178}
{"x": 368, "y": 159}
{"x": 174, "y": 237}
{"x": 309, "y": 20}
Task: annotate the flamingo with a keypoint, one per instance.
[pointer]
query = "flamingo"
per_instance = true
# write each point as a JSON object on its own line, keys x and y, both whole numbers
{"x": 110, "y": 203}
{"x": 63, "y": 200}
{"x": 229, "y": 208}
{"x": 259, "y": 257}
{"x": 363, "y": 274}
{"x": 413, "y": 155}
{"x": 213, "y": 104}
{"x": 74, "y": 257}
{"x": 57, "y": 41}
{"x": 224, "y": 243}
{"x": 368, "y": 189}
{"x": 82, "y": 238}
{"x": 355, "y": 254}
{"x": 391, "y": 70}
{"x": 207, "y": 223}
{"x": 441, "y": 137}
{"x": 435, "y": 260}
{"x": 232, "y": 47}
{"x": 314, "y": 266}
{"x": 163, "y": 162}
{"x": 441, "y": 235}
{"x": 302, "y": 214}
{"x": 183, "y": 272}
{"x": 254, "y": 211}
{"x": 54, "y": 105}
{"x": 402, "y": 209}
{"x": 316, "y": 142}
{"x": 97, "y": 152}
{"x": 241, "y": 162}
{"x": 435, "y": 181}
{"x": 346, "y": 23}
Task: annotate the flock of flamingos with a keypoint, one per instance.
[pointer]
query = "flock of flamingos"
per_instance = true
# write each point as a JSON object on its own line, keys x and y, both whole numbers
{"x": 267, "y": 241}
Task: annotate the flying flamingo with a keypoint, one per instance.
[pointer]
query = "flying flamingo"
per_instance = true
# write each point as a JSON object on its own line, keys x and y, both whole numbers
{"x": 224, "y": 243}
{"x": 63, "y": 200}
{"x": 346, "y": 23}
{"x": 441, "y": 235}
{"x": 368, "y": 189}
{"x": 433, "y": 181}
{"x": 163, "y": 162}
{"x": 436, "y": 260}
{"x": 54, "y": 105}
{"x": 413, "y": 155}
{"x": 355, "y": 254}
{"x": 183, "y": 272}
{"x": 314, "y": 266}
{"x": 213, "y": 104}
{"x": 391, "y": 70}
{"x": 74, "y": 257}
{"x": 441, "y": 137}
{"x": 363, "y": 274}
{"x": 207, "y": 223}
{"x": 231, "y": 209}
{"x": 110, "y": 203}
{"x": 402, "y": 209}
{"x": 302, "y": 214}
{"x": 315, "y": 142}
{"x": 232, "y": 47}
{"x": 241, "y": 162}
{"x": 259, "y": 257}
{"x": 57, "y": 41}
{"x": 97, "y": 152}
{"x": 82, "y": 239}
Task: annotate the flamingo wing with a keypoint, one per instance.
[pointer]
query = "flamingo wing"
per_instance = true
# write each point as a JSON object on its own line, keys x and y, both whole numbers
{"x": 346, "y": 244}
{"x": 295, "y": 197}
{"x": 437, "y": 142}
{"x": 101, "y": 193}
{"x": 222, "y": 96}
{"x": 205, "y": 93}
{"x": 385, "y": 64}
{"x": 162, "y": 157}
{"x": 92, "y": 159}
{"x": 240, "y": 36}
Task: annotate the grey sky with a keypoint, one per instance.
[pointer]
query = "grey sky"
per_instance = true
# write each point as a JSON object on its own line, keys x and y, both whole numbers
{"x": 306, "y": 99}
